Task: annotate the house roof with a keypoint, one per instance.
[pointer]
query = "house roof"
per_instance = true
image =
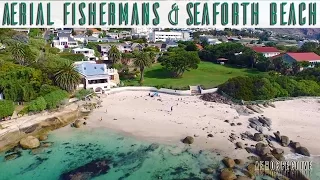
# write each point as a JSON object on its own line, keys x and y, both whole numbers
{"x": 265, "y": 49}
{"x": 94, "y": 30}
{"x": 277, "y": 56}
{"x": 90, "y": 69}
{"x": 306, "y": 56}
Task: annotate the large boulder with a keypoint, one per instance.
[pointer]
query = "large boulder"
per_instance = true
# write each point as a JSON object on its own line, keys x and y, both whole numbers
{"x": 188, "y": 140}
{"x": 295, "y": 145}
{"x": 264, "y": 151}
{"x": 277, "y": 151}
{"x": 29, "y": 142}
{"x": 78, "y": 123}
{"x": 265, "y": 121}
{"x": 228, "y": 162}
{"x": 239, "y": 145}
{"x": 43, "y": 137}
{"x": 285, "y": 141}
{"x": 227, "y": 174}
{"x": 258, "y": 137}
{"x": 277, "y": 136}
{"x": 303, "y": 150}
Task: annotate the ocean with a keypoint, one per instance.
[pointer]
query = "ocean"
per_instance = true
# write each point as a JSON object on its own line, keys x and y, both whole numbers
{"x": 128, "y": 158}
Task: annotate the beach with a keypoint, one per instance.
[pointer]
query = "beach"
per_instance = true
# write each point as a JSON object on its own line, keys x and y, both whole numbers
{"x": 150, "y": 118}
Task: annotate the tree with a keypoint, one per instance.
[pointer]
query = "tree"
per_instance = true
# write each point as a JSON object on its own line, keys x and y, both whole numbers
{"x": 18, "y": 52}
{"x": 6, "y": 108}
{"x": 67, "y": 77}
{"x": 180, "y": 61}
{"x": 89, "y": 32}
{"x": 142, "y": 60}
{"x": 114, "y": 54}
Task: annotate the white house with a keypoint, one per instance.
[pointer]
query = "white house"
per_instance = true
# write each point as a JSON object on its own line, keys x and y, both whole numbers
{"x": 267, "y": 51}
{"x": 80, "y": 37}
{"x": 210, "y": 39}
{"x": 171, "y": 35}
{"x": 97, "y": 76}
{"x": 64, "y": 40}
{"x": 85, "y": 51}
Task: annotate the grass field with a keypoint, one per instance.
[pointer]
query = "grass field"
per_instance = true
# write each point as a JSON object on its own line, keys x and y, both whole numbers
{"x": 208, "y": 75}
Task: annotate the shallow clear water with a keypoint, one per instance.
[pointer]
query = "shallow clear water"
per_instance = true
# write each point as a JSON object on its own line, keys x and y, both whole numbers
{"x": 130, "y": 159}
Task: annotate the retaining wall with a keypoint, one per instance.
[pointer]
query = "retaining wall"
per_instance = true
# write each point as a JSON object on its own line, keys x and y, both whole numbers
{"x": 153, "y": 89}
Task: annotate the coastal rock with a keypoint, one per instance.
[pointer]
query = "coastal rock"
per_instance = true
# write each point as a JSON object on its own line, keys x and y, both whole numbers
{"x": 265, "y": 121}
{"x": 254, "y": 108}
{"x": 29, "y": 142}
{"x": 295, "y": 145}
{"x": 259, "y": 146}
{"x": 88, "y": 171}
{"x": 264, "y": 151}
{"x": 243, "y": 178}
{"x": 188, "y": 140}
{"x": 77, "y": 123}
{"x": 13, "y": 156}
{"x": 43, "y": 137}
{"x": 277, "y": 151}
{"x": 227, "y": 174}
{"x": 239, "y": 145}
{"x": 251, "y": 168}
{"x": 228, "y": 162}
{"x": 253, "y": 158}
{"x": 303, "y": 150}
{"x": 279, "y": 157}
{"x": 258, "y": 137}
{"x": 285, "y": 141}
{"x": 46, "y": 144}
{"x": 277, "y": 136}
{"x": 268, "y": 157}
{"x": 208, "y": 170}
{"x": 238, "y": 161}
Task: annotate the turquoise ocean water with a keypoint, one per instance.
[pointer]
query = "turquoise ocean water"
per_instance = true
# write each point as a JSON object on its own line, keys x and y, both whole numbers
{"x": 129, "y": 159}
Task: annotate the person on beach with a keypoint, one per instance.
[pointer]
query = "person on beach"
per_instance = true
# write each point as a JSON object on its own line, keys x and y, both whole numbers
{"x": 101, "y": 119}
{"x": 171, "y": 108}
{"x": 106, "y": 110}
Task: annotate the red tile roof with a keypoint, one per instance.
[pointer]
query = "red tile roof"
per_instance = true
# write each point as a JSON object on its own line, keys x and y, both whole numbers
{"x": 199, "y": 47}
{"x": 304, "y": 56}
{"x": 265, "y": 49}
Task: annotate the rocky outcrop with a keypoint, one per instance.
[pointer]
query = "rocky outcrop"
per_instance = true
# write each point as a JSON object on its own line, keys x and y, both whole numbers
{"x": 227, "y": 174}
{"x": 285, "y": 141}
{"x": 188, "y": 140}
{"x": 43, "y": 137}
{"x": 228, "y": 162}
{"x": 29, "y": 142}
{"x": 78, "y": 123}
{"x": 303, "y": 150}
{"x": 258, "y": 137}
{"x": 13, "y": 136}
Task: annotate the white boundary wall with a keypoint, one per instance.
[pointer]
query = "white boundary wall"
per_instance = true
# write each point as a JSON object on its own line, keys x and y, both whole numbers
{"x": 162, "y": 90}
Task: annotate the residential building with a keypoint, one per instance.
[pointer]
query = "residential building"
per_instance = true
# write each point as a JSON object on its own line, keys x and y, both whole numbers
{"x": 310, "y": 57}
{"x": 80, "y": 37}
{"x": 23, "y": 30}
{"x": 210, "y": 39}
{"x": 108, "y": 39}
{"x": 64, "y": 40}
{"x": 97, "y": 77}
{"x": 171, "y": 35}
{"x": 80, "y": 30}
{"x": 89, "y": 53}
{"x": 92, "y": 39}
{"x": 167, "y": 45}
{"x": 95, "y": 32}
{"x": 266, "y": 51}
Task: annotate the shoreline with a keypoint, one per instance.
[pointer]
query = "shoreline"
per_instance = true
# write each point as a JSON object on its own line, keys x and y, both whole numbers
{"x": 146, "y": 118}
{"x": 135, "y": 114}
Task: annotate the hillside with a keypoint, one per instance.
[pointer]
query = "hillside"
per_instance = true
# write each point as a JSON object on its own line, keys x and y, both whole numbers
{"x": 301, "y": 32}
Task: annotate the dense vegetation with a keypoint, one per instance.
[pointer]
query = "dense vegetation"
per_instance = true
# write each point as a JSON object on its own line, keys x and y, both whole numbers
{"x": 31, "y": 71}
{"x": 6, "y": 108}
{"x": 268, "y": 87}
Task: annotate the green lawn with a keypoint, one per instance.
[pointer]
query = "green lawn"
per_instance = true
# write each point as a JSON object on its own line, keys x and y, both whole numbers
{"x": 208, "y": 75}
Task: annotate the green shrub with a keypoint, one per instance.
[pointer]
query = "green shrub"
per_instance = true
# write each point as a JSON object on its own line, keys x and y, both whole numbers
{"x": 71, "y": 56}
{"x": 37, "y": 105}
{"x": 6, "y": 108}
{"x": 82, "y": 93}
{"x": 55, "y": 98}
{"x": 46, "y": 89}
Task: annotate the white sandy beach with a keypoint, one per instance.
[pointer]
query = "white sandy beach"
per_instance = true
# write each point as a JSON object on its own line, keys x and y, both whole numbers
{"x": 150, "y": 118}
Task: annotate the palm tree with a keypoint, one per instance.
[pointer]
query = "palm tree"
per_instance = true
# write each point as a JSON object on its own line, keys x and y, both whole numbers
{"x": 18, "y": 52}
{"x": 67, "y": 77}
{"x": 114, "y": 54}
{"x": 142, "y": 60}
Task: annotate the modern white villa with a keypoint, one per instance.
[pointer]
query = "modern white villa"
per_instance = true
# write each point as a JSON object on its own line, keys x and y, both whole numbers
{"x": 88, "y": 53}
{"x": 97, "y": 77}
{"x": 64, "y": 40}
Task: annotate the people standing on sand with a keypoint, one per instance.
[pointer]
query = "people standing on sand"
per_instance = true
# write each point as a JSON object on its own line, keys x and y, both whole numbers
{"x": 171, "y": 108}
